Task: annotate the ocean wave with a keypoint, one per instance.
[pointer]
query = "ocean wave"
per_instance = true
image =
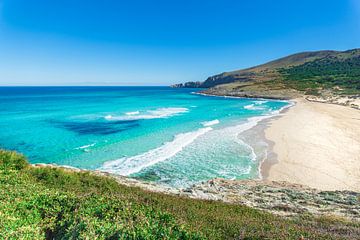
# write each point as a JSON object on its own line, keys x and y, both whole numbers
{"x": 249, "y": 106}
{"x": 210, "y": 123}
{"x": 253, "y": 107}
{"x": 243, "y": 171}
{"x": 251, "y": 149}
{"x": 86, "y": 146}
{"x": 149, "y": 114}
{"x": 129, "y": 165}
{"x": 277, "y": 112}
{"x": 240, "y": 128}
{"x": 260, "y": 102}
{"x": 132, "y": 113}
{"x": 251, "y": 122}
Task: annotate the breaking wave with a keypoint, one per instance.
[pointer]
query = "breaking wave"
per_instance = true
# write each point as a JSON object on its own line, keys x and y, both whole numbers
{"x": 132, "y": 113}
{"x": 129, "y": 165}
{"x": 210, "y": 123}
{"x": 149, "y": 114}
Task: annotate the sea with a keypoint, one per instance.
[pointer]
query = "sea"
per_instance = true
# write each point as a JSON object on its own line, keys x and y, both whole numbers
{"x": 171, "y": 136}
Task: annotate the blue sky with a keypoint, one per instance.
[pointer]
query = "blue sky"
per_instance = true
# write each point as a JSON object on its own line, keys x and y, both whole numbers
{"x": 160, "y": 42}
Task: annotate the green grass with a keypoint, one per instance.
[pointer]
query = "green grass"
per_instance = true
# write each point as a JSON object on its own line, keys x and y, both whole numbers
{"x": 39, "y": 203}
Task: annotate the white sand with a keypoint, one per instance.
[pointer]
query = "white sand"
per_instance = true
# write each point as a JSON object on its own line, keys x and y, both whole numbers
{"x": 317, "y": 145}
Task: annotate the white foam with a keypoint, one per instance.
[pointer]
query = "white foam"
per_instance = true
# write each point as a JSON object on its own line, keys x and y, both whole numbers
{"x": 260, "y": 102}
{"x": 150, "y": 114}
{"x": 249, "y": 106}
{"x": 251, "y": 149}
{"x": 210, "y": 123}
{"x": 253, "y": 107}
{"x": 250, "y": 123}
{"x": 129, "y": 165}
{"x": 277, "y": 112}
{"x": 86, "y": 146}
{"x": 132, "y": 113}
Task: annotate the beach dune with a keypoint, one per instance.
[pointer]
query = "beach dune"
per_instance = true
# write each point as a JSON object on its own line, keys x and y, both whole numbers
{"x": 317, "y": 145}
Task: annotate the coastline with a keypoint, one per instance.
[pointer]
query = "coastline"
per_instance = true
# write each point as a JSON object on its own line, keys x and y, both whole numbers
{"x": 274, "y": 162}
{"x": 255, "y": 136}
{"x": 314, "y": 144}
{"x": 271, "y": 157}
{"x": 273, "y": 192}
{"x": 311, "y": 143}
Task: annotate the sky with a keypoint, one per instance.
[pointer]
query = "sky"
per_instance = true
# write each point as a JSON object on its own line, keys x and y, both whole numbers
{"x": 161, "y": 42}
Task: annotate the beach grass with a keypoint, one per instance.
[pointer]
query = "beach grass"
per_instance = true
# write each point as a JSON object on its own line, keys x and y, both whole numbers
{"x": 53, "y": 203}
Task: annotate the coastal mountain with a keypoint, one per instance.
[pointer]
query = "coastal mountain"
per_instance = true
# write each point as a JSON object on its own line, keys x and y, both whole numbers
{"x": 311, "y": 73}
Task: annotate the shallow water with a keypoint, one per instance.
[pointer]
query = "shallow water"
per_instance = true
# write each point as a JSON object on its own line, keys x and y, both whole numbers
{"x": 156, "y": 133}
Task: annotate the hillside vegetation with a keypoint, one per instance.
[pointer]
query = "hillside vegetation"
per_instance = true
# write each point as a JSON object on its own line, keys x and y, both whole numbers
{"x": 53, "y": 203}
{"x": 312, "y": 73}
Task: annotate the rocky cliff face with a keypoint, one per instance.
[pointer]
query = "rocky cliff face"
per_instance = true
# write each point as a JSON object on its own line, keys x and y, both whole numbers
{"x": 188, "y": 85}
{"x": 214, "y": 81}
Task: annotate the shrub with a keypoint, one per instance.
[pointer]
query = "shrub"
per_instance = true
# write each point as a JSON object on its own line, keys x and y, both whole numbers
{"x": 12, "y": 161}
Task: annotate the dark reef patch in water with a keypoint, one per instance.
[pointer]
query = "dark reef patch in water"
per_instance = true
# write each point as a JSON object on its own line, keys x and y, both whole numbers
{"x": 150, "y": 176}
{"x": 95, "y": 127}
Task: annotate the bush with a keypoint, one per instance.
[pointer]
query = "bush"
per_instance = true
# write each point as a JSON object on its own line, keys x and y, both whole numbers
{"x": 12, "y": 161}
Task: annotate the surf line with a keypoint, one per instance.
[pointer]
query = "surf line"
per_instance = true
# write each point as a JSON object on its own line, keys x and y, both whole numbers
{"x": 130, "y": 165}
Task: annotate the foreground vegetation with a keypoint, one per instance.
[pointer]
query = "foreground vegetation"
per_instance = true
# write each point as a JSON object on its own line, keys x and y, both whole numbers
{"x": 51, "y": 203}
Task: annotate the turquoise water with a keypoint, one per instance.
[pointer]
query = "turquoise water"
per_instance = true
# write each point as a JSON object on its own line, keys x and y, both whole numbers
{"x": 161, "y": 134}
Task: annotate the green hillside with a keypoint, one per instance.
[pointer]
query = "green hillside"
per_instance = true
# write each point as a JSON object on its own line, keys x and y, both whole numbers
{"x": 312, "y": 73}
{"x": 51, "y": 203}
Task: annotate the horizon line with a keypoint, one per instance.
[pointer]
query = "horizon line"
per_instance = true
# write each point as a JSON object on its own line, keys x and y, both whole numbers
{"x": 85, "y": 85}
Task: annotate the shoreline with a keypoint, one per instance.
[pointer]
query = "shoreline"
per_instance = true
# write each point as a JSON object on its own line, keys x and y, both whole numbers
{"x": 257, "y": 132}
{"x": 278, "y": 196}
{"x": 255, "y": 137}
{"x": 271, "y": 157}
{"x": 314, "y": 144}
{"x": 273, "y": 162}
{"x": 326, "y": 156}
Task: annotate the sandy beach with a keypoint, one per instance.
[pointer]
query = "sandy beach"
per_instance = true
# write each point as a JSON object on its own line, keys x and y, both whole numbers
{"x": 315, "y": 144}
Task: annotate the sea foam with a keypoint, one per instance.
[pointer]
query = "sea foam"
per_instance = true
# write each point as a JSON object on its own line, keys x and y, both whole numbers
{"x": 86, "y": 146}
{"x": 259, "y": 102}
{"x": 129, "y": 165}
{"x": 149, "y": 114}
{"x": 210, "y": 123}
{"x": 132, "y": 113}
{"x": 253, "y": 107}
